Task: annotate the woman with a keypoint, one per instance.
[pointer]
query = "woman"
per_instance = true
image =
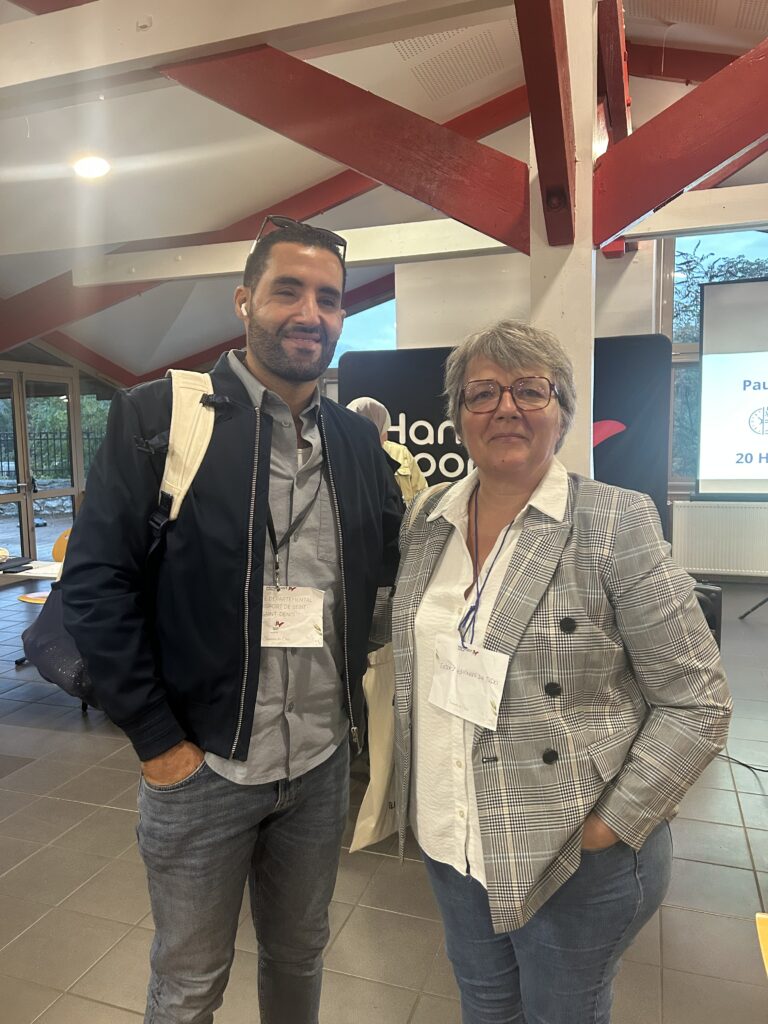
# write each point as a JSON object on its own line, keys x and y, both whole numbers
{"x": 408, "y": 475}
{"x": 557, "y": 692}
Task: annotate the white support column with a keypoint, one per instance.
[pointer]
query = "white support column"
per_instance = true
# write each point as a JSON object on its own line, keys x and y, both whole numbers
{"x": 563, "y": 277}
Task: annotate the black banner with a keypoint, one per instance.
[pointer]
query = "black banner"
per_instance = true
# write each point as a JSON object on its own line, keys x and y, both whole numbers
{"x": 409, "y": 383}
{"x": 630, "y": 409}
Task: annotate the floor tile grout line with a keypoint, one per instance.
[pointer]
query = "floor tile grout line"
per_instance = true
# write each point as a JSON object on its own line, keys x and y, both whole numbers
{"x": 126, "y": 933}
{"x": 53, "y": 843}
{"x": 731, "y": 981}
{"x": 760, "y": 898}
{"x": 25, "y": 930}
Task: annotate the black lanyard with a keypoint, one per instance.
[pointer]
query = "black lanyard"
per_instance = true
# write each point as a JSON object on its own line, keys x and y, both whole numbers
{"x": 467, "y": 624}
{"x": 276, "y": 546}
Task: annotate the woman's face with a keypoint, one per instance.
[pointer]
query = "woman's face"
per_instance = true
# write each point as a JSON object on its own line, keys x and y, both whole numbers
{"x": 509, "y": 443}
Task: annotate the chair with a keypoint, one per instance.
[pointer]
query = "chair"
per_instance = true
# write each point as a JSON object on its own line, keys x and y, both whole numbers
{"x": 761, "y": 921}
{"x": 60, "y": 546}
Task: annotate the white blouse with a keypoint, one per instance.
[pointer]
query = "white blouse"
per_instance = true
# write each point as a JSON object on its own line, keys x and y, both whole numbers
{"x": 443, "y": 808}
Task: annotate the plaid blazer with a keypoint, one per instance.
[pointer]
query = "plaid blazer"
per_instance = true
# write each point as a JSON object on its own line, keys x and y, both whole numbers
{"x": 615, "y": 697}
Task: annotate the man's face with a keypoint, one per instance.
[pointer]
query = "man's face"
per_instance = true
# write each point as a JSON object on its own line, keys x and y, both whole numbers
{"x": 293, "y": 314}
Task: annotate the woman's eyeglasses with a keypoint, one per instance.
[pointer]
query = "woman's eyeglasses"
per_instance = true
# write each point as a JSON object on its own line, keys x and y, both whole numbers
{"x": 288, "y": 222}
{"x": 528, "y": 394}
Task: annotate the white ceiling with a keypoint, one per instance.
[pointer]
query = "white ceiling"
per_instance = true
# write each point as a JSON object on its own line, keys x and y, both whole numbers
{"x": 183, "y": 164}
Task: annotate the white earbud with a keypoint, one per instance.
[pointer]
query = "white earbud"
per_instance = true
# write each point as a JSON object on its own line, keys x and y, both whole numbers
{"x": 243, "y": 310}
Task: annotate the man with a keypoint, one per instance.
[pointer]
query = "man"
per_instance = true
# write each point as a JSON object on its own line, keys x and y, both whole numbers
{"x": 292, "y": 519}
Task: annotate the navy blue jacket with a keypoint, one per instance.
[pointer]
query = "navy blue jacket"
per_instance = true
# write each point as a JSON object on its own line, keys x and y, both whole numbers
{"x": 172, "y": 640}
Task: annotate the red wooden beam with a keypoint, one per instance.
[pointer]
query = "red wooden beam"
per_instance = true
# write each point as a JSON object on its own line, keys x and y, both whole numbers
{"x": 369, "y": 294}
{"x": 69, "y": 346}
{"x": 733, "y": 166}
{"x": 57, "y": 302}
{"x": 489, "y": 117}
{"x": 208, "y": 355}
{"x": 492, "y": 116}
{"x": 612, "y": 56}
{"x": 49, "y": 6}
{"x": 669, "y": 64}
{"x": 681, "y": 145}
{"x": 541, "y": 26}
{"x": 58, "y": 298}
{"x": 472, "y": 183}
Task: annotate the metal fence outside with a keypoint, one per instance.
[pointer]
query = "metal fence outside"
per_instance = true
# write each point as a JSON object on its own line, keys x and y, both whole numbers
{"x": 49, "y": 452}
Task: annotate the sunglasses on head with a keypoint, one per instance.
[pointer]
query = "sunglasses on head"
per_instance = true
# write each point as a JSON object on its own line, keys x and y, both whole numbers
{"x": 288, "y": 222}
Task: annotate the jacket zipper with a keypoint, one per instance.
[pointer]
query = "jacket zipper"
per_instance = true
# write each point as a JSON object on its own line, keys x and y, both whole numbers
{"x": 247, "y": 586}
{"x": 354, "y": 731}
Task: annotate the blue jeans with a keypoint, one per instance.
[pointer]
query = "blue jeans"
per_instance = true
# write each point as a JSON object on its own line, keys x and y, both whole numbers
{"x": 559, "y": 967}
{"x": 201, "y": 840}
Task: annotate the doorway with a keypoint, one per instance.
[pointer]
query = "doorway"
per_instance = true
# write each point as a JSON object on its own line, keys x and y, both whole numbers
{"x": 41, "y": 464}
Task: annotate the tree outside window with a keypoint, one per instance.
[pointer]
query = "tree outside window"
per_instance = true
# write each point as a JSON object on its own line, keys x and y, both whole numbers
{"x": 731, "y": 256}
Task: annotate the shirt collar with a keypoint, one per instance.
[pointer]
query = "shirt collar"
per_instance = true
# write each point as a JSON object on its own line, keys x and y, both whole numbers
{"x": 550, "y": 497}
{"x": 258, "y": 394}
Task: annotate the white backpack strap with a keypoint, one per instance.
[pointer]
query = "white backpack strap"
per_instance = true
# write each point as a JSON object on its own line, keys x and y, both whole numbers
{"x": 190, "y": 434}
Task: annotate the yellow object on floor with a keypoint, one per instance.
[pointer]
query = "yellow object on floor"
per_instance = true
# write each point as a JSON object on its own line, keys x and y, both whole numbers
{"x": 761, "y": 920}
{"x": 38, "y": 598}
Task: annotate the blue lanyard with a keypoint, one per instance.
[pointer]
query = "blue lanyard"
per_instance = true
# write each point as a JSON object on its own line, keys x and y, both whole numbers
{"x": 467, "y": 624}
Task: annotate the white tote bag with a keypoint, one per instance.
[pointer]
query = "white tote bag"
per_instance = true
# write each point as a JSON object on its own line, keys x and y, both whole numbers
{"x": 377, "y": 819}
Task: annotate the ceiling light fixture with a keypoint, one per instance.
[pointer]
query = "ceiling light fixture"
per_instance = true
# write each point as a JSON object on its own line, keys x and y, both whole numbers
{"x": 91, "y": 167}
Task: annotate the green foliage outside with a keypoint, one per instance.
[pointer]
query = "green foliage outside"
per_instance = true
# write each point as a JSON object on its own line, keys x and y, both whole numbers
{"x": 48, "y": 429}
{"x": 692, "y": 269}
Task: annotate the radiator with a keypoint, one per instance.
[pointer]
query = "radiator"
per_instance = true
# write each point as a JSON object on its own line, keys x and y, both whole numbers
{"x": 727, "y": 538}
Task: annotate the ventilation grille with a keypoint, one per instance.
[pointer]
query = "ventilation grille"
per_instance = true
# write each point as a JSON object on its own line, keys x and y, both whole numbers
{"x": 412, "y": 49}
{"x": 753, "y": 16}
{"x": 455, "y": 66}
{"x": 695, "y": 12}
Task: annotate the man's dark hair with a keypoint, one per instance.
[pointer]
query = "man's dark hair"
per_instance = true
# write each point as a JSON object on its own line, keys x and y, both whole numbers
{"x": 298, "y": 233}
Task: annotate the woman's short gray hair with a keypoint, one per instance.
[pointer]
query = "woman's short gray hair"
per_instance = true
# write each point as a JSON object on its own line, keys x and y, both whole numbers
{"x": 515, "y": 345}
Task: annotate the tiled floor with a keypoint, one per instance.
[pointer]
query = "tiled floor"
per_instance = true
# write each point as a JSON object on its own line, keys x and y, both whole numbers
{"x": 74, "y": 922}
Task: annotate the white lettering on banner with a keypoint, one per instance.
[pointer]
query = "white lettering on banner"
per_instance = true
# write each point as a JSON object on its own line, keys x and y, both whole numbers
{"x": 429, "y": 436}
{"x": 401, "y": 433}
{"x": 421, "y": 433}
{"x": 426, "y": 464}
{"x": 460, "y": 465}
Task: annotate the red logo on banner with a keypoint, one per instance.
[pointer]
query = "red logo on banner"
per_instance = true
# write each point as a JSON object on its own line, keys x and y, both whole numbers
{"x": 604, "y": 429}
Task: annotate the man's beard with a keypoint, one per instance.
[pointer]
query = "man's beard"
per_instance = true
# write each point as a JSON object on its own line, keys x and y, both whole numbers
{"x": 267, "y": 349}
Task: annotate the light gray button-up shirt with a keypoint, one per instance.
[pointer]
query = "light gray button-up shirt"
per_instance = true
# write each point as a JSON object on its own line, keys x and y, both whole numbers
{"x": 300, "y": 716}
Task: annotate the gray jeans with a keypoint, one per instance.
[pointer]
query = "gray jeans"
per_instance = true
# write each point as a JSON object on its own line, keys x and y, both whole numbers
{"x": 201, "y": 840}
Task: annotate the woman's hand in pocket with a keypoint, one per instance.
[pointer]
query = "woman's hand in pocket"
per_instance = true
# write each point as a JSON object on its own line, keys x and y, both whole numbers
{"x": 597, "y": 835}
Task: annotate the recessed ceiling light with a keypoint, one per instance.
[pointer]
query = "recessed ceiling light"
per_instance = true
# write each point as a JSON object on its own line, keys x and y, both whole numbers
{"x": 91, "y": 167}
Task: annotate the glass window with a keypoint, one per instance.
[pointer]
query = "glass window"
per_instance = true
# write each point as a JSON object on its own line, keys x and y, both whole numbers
{"x": 731, "y": 256}
{"x": 95, "y": 399}
{"x": 725, "y": 257}
{"x": 50, "y": 456}
{"x": 52, "y": 517}
{"x": 9, "y": 473}
{"x": 10, "y": 529}
{"x": 368, "y": 331}
{"x": 685, "y": 421}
